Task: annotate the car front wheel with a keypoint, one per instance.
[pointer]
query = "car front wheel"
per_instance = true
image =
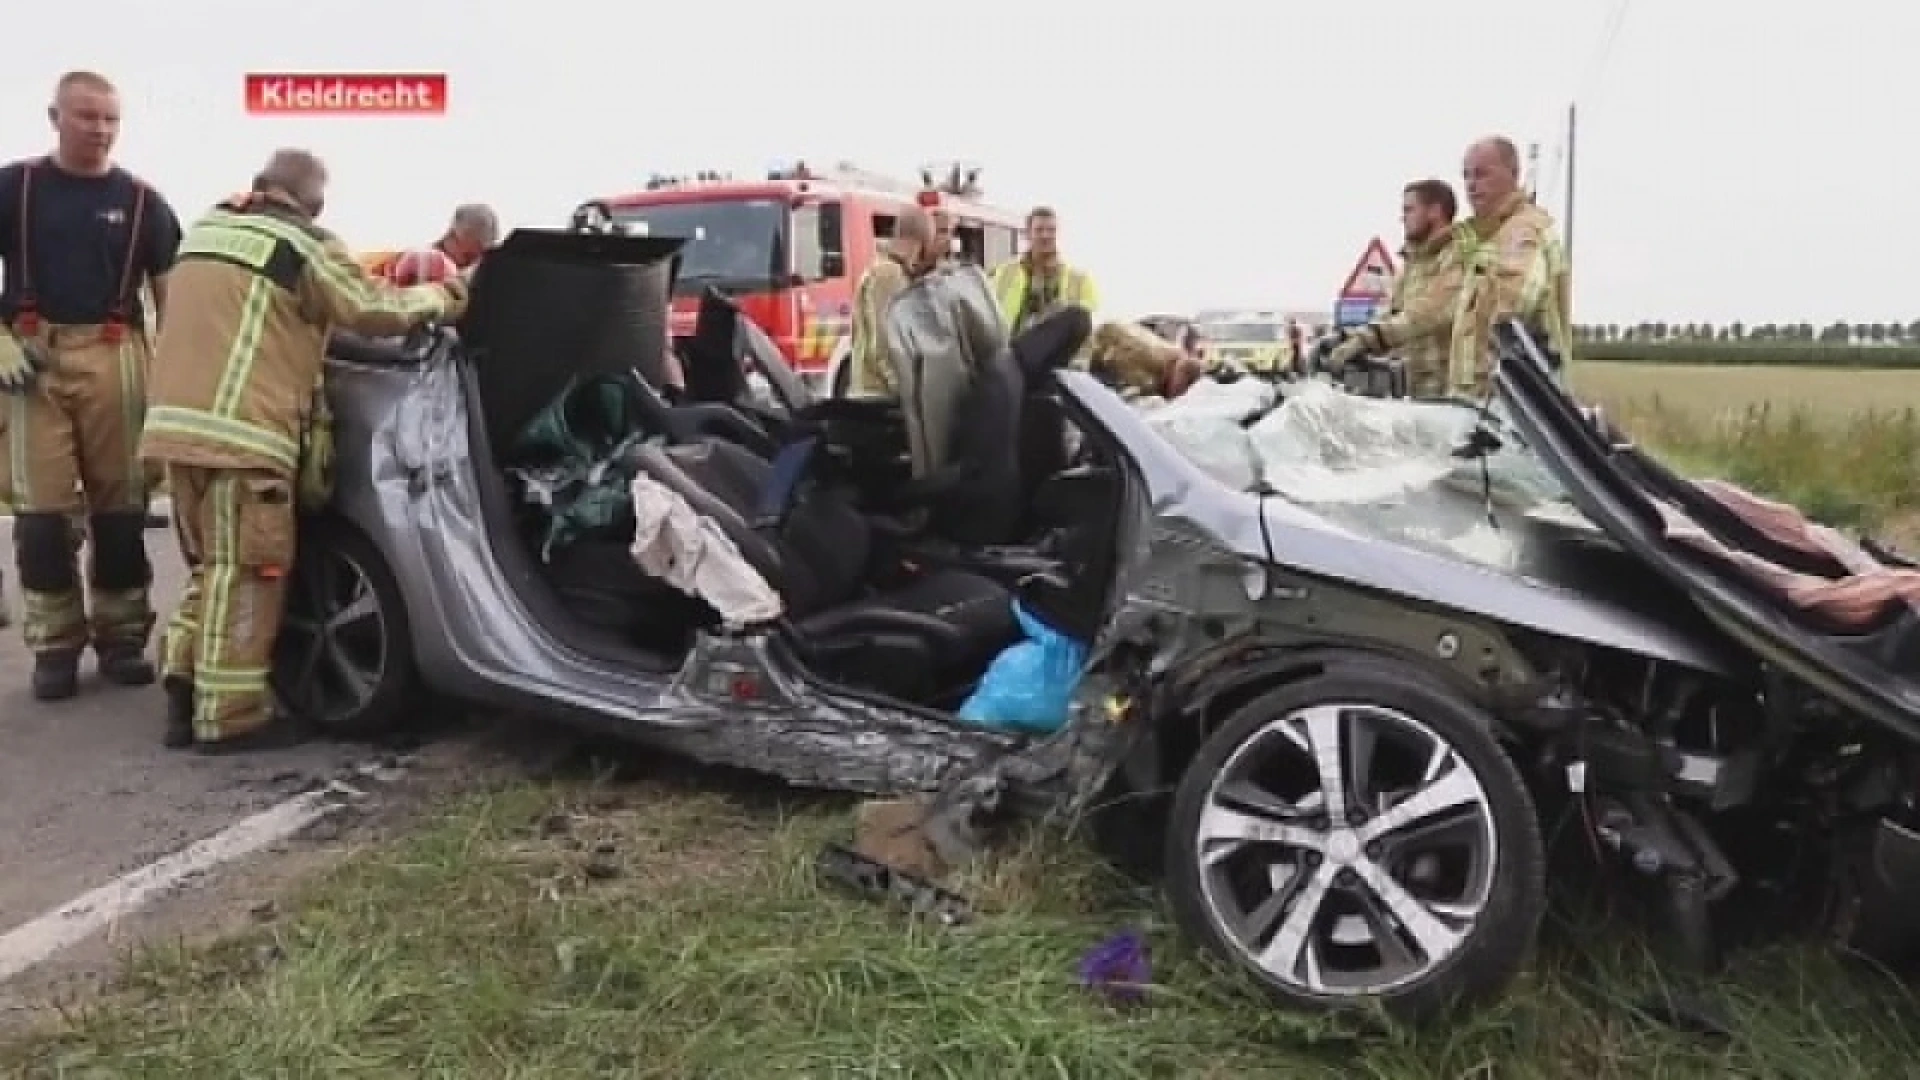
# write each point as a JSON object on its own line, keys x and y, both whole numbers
{"x": 1359, "y": 837}
{"x": 344, "y": 659}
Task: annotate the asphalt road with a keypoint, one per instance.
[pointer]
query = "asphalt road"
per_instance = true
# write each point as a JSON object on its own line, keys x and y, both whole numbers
{"x": 86, "y": 791}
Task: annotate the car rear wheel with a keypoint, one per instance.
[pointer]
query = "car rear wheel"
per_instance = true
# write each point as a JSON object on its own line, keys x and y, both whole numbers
{"x": 1359, "y": 838}
{"x": 344, "y": 660}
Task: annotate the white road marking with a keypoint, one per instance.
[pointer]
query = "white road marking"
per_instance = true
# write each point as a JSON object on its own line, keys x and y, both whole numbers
{"x": 28, "y": 945}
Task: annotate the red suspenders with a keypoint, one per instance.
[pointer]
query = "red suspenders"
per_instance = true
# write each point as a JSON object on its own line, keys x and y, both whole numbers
{"x": 27, "y": 319}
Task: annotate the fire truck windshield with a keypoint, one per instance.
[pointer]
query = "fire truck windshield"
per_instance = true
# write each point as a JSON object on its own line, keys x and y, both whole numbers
{"x": 737, "y": 243}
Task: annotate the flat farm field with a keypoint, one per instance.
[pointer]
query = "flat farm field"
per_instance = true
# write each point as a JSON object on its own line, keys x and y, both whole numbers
{"x": 1717, "y": 390}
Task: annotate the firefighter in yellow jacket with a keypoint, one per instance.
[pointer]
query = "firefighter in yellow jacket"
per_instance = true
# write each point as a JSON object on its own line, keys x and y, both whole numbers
{"x": 1418, "y": 324}
{"x": 1516, "y": 267}
{"x": 909, "y": 253}
{"x": 1039, "y": 281}
{"x": 257, "y": 288}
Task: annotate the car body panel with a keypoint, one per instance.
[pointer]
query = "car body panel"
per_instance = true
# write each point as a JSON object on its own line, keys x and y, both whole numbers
{"x": 1196, "y": 560}
{"x": 1557, "y": 433}
{"x": 409, "y": 483}
{"x": 1282, "y": 534}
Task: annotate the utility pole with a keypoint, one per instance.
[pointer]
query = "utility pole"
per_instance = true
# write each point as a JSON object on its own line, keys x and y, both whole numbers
{"x": 1567, "y": 222}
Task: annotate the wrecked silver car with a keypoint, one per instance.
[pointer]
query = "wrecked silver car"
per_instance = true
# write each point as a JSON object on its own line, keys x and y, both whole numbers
{"x": 1342, "y": 735}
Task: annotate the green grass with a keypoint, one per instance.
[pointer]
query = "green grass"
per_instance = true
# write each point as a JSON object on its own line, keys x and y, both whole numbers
{"x": 703, "y": 946}
{"x": 1842, "y": 445}
{"x": 676, "y": 929}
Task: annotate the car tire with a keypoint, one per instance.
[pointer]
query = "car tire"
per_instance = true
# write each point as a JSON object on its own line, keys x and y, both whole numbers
{"x": 1373, "y": 913}
{"x": 344, "y": 662}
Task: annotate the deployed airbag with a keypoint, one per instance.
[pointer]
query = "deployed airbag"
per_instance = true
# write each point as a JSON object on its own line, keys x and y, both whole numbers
{"x": 675, "y": 544}
{"x": 1425, "y": 473}
{"x": 1326, "y": 445}
{"x": 1209, "y": 424}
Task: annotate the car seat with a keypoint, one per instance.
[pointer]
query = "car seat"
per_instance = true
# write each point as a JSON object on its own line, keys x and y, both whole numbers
{"x": 980, "y": 495}
{"x": 696, "y": 421}
{"x": 922, "y": 637}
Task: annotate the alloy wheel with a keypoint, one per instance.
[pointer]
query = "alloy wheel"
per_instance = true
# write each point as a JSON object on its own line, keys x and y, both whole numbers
{"x": 335, "y": 640}
{"x": 1345, "y": 849}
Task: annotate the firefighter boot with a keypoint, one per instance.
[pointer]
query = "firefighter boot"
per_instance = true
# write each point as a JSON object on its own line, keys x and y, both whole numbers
{"x": 122, "y": 612}
{"x": 55, "y": 621}
{"x": 179, "y": 731}
{"x": 56, "y": 674}
{"x": 124, "y": 665}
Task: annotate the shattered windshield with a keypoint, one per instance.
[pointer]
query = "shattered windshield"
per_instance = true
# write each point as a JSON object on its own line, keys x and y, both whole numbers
{"x": 731, "y": 243}
{"x": 1396, "y": 469}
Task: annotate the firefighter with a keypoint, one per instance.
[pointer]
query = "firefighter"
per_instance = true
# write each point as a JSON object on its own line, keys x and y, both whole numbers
{"x": 257, "y": 289}
{"x": 1039, "y": 281}
{"x": 474, "y": 230}
{"x": 1137, "y": 362}
{"x": 1418, "y": 323}
{"x": 81, "y": 239}
{"x": 909, "y": 253}
{"x": 945, "y": 251}
{"x": 1515, "y": 265}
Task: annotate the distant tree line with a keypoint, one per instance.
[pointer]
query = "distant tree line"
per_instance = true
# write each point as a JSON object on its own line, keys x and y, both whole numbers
{"x": 1839, "y": 333}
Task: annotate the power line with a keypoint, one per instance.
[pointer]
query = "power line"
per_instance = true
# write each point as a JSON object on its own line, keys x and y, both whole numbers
{"x": 1552, "y": 181}
{"x": 1608, "y": 38}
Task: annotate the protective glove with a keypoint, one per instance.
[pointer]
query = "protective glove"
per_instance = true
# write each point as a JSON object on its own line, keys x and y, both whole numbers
{"x": 1350, "y": 348}
{"x": 1354, "y": 345}
{"x": 21, "y": 362}
{"x": 456, "y": 304}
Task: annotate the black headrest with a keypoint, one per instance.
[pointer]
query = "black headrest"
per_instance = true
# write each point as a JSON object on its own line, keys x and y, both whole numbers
{"x": 1051, "y": 341}
{"x": 713, "y": 371}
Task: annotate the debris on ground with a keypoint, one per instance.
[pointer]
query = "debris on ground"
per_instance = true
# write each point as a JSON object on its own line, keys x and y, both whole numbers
{"x": 894, "y": 832}
{"x": 876, "y": 880}
{"x": 1119, "y": 968}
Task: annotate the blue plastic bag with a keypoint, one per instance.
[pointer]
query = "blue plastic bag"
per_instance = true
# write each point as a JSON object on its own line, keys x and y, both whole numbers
{"x": 1029, "y": 685}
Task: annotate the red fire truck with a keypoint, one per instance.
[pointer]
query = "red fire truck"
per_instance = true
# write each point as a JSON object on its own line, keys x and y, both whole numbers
{"x": 789, "y": 248}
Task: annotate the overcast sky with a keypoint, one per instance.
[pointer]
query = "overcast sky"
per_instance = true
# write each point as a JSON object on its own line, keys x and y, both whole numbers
{"x": 1737, "y": 160}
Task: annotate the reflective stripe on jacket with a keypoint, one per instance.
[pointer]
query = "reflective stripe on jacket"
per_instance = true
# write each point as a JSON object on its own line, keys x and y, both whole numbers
{"x": 1515, "y": 266}
{"x": 377, "y": 263}
{"x": 256, "y": 290}
{"x": 1012, "y": 283}
{"x": 872, "y": 362}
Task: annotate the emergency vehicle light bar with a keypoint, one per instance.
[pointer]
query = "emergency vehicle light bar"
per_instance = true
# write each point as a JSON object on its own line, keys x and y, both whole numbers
{"x": 962, "y": 181}
{"x": 706, "y": 176}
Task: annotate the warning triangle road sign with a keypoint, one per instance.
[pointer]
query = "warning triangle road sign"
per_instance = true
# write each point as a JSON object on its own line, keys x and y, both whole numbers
{"x": 1372, "y": 276}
